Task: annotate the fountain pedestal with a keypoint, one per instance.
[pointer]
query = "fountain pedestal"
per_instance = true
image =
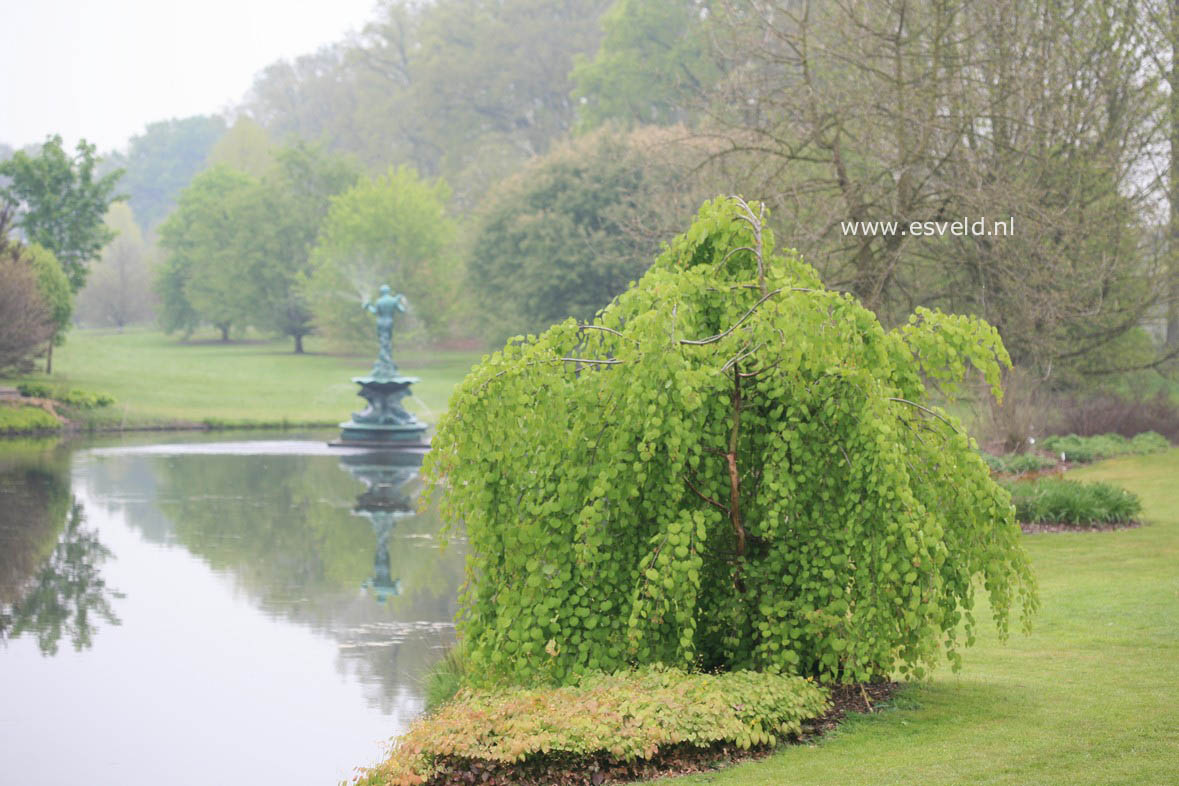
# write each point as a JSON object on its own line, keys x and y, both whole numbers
{"x": 385, "y": 422}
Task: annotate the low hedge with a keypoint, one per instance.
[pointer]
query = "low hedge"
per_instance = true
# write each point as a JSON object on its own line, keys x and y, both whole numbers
{"x": 623, "y": 717}
{"x": 1058, "y": 501}
{"x": 23, "y": 419}
{"x": 1086, "y": 449}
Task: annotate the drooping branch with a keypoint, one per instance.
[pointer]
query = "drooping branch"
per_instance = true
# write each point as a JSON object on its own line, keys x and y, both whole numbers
{"x": 923, "y": 409}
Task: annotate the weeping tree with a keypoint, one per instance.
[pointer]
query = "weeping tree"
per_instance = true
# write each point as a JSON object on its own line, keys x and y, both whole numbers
{"x": 731, "y": 467}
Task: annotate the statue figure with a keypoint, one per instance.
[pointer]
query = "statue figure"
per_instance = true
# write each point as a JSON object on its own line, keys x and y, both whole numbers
{"x": 385, "y": 308}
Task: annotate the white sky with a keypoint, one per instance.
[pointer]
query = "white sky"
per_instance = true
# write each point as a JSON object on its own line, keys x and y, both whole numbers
{"x": 104, "y": 69}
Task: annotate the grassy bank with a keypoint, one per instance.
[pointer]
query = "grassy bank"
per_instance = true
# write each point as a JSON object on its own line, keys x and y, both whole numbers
{"x": 158, "y": 380}
{"x": 1087, "y": 698}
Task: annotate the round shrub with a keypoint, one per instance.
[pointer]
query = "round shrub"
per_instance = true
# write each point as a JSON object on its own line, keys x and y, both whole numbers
{"x": 731, "y": 468}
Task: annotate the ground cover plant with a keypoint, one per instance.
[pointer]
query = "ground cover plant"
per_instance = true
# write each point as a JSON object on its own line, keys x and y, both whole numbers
{"x": 600, "y": 722}
{"x": 1060, "y": 501}
{"x": 731, "y": 468}
{"x": 1103, "y": 446}
{"x": 23, "y": 419}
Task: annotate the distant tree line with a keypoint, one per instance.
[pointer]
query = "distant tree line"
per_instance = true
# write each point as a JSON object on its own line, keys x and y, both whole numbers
{"x": 553, "y": 146}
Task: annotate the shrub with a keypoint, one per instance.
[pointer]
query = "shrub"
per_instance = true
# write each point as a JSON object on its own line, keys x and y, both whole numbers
{"x": 623, "y": 717}
{"x": 81, "y": 399}
{"x": 35, "y": 389}
{"x": 733, "y": 468}
{"x": 23, "y": 419}
{"x": 1017, "y": 463}
{"x": 84, "y": 399}
{"x": 1095, "y": 448}
{"x": 1058, "y": 501}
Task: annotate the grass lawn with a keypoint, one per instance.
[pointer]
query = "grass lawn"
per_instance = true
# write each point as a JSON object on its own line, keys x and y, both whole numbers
{"x": 1090, "y": 697}
{"x": 161, "y": 380}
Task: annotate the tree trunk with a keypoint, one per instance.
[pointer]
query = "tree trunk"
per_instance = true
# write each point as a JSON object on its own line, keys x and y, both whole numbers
{"x": 299, "y": 344}
{"x": 49, "y": 356}
{"x": 224, "y": 333}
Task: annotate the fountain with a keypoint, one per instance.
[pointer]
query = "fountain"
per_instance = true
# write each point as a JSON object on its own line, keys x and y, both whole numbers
{"x": 385, "y": 423}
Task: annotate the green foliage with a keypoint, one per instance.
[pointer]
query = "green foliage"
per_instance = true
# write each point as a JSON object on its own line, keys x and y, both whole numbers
{"x": 62, "y": 203}
{"x": 389, "y": 229}
{"x": 1103, "y": 446}
{"x": 298, "y": 192}
{"x": 246, "y": 147}
{"x": 22, "y": 420}
{"x": 446, "y": 679}
{"x": 1059, "y": 501}
{"x": 463, "y": 89}
{"x": 35, "y": 389}
{"x": 54, "y": 288}
{"x": 162, "y": 160}
{"x": 201, "y": 279}
{"x": 83, "y": 399}
{"x": 569, "y": 233}
{"x": 1017, "y": 463}
{"x": 626, "y": 716}
{"x": 654, "y": 60}
{"x": 732, "y": 468}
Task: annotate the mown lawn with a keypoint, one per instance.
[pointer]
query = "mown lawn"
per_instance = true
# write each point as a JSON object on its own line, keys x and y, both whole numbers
{"x": 159, "y": 380}
{"x": 1090, "y": 697}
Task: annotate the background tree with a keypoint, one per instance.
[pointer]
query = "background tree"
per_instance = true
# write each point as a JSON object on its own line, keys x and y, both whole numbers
{"x": 389, "y": 229}
{"x": 163, "y": 160}
{"x": 566, "y": 235}
{"x": 292, "y": 202}
{"x": 654, "y": 62}
{"x": 26, "y": 321}
{"x": 118, "y": 291}
{"x": 928, "y": 110}
{"x": 245, "y": 147}
{"x": 54, "y": 288}
{"x": 61, "y": 203}
{"x": 463, "y": 89}
{"x": 201, "y": 279}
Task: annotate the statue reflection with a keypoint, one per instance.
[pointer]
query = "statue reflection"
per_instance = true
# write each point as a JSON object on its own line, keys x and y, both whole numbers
{"x": 387, "y": 498}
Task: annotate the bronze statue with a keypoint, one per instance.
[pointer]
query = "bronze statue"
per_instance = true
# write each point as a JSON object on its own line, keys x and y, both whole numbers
{"x": 385, "y": 308}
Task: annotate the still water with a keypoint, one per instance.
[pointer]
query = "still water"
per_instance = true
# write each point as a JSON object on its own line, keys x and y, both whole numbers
{"x": 255, "y": 612}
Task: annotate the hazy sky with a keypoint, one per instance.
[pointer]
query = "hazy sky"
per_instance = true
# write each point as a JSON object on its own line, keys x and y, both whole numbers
{"x": 103, "y": 69}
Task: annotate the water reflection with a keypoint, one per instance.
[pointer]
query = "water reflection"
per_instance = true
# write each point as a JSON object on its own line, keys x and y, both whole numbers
{"x": 60, "y": 593}
{"x": 384, "y": 501}
{"x": 286, "y": 599}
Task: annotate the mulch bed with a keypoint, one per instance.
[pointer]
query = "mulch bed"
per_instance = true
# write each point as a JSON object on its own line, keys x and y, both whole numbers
{"x": 1035, "y": 529}
{"x": 677, "y": 760}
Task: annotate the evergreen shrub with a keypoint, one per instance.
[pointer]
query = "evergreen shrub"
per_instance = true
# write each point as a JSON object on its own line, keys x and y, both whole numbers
{"x": 730, "y": 468}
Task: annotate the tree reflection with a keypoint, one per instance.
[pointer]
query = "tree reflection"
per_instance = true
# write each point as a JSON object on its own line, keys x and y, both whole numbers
{"x": 50, "y": 580}
{"x": 302, "y": 535}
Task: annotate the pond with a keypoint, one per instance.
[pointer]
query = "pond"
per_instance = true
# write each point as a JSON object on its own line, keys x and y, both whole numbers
{"x": 187, "y": 611}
